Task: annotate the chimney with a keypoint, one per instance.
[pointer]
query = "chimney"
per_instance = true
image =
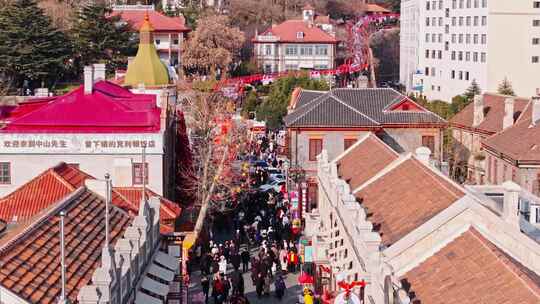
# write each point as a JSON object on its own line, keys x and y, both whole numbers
{"x": 478, "y": 115}
{"x": 99, "y": 72}
{"x": 511, "y": 203}
{"x": 422, "y": 154}
{"x": 508, "y": 119}
{"x": 88, "y": 79}
{"x": 535, "y": 115}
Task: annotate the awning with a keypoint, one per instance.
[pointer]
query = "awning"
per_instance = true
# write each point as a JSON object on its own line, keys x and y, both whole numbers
{"x": 155, "y": 286}
{"x": 166, "y": 260}
{"x": 142, "y": 298}
{"x": 160, "y": 272}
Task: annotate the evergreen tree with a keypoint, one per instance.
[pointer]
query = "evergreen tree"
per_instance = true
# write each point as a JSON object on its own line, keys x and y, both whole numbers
{"x": 30, "y": 47}
{"x": 100, "y": 37}
{"x": 505, "y": 88}
{"x": 474, "y": 89}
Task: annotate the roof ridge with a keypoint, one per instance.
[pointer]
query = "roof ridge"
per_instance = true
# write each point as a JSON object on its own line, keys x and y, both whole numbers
{"x": 428, "y": 170}
{"x": 478, "y": 236}
{"x": 522, "y": 114}
{"x": 352, "y": 108}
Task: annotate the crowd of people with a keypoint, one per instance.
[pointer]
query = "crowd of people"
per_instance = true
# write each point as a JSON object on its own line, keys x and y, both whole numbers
{"x": 262, "y": 225}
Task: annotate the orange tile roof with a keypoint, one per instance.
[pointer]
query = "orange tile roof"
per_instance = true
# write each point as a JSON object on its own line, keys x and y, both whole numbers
{"x": 31, "y": 262}
{"x": 494, "y": 114}
{"x": 160, "y": 22}
{"x": 287, "y": 30}
{"x": 521, "y": 142}
{"x": 59, "y": 181}
{"x": 472, "y": 270}
{"x": 364, "y": 160}
{"x": 405, "y": 198}
{"x": 375, "y": 8}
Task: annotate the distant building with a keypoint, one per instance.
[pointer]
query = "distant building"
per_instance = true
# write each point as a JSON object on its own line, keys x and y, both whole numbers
{"x": 335, "y": 120}
{"x": 415, "y": 236}
{"x": 489, "y": 114}
{"x": 169, "y": 32}
{"x": 514, "y": 153}
{"x": 445, "y": 44}
{"x": 308, "y": 43}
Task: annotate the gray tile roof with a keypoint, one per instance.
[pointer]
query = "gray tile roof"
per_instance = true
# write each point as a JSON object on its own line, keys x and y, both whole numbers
{"x": 354, "y": 108}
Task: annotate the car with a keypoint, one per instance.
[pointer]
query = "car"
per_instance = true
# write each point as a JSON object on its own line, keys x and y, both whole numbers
{"x": 273, "y": 185}
{"x": 260, "y": 163}
{"x": 276, "y": 176}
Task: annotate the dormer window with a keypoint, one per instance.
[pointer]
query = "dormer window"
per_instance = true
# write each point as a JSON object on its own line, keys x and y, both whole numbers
{"x": 300, "y": 35}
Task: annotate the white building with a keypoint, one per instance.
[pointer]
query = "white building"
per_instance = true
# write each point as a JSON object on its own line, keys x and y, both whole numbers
{"x": 445, "y": 44}
{"x": 417, "y": 237}
{"x": 296, "y": 44}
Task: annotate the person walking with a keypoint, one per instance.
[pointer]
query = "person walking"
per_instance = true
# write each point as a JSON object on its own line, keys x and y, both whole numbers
{"x": 308, "y": 296}
{"x": 259, "y": 285}
{"x": 245, "y": 260}
{"x": 222, "y": 264}
{"x": 205, "y": 284}
{"x": 217, "y": 289}
{"x": 280, "y": 287}
{"x": 236, "y": 260}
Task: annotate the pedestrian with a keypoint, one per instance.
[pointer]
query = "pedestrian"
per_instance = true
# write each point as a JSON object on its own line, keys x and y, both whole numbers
{"x": 280, "y": 287}
{"x": 236, "y": 260}
{"x": 205, "y": 284}
{"x": 226, "y": 287}
{"x": 259, "y": 285}
{"x": 222, "y": 264}
{"x": 267, "y": 282}
{"x": 308, "y": 296}
{"x": 217, "y": 290}
{"x": 245, "y": 260}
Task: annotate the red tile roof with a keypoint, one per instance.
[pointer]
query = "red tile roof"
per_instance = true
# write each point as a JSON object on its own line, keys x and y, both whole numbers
{"x": 363, "y": 160}
{"x": 375, "y": 8}
{"x": 406, "y": 197}
{"x": 54, "y": 184}
{"x": 287, "y": 31}
{"x": 472, "y": 270}
{"x": 521, "y": 142}
{"x": 494, "y": 114}
{"x": 30, "y": 262}
{"x": 160, "y": 22}
{"x": 109, "y": 109}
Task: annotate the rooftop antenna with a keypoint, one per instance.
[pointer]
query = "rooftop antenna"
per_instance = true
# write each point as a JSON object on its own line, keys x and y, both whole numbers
{"x": 63, "y": 299}
{"x": 108, "y": 195}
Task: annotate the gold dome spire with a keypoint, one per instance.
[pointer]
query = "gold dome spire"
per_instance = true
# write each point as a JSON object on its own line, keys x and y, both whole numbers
{"x": 147, "y": 67}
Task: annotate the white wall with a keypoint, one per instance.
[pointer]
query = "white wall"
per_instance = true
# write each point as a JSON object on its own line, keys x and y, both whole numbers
{"x": 278, "y": 56}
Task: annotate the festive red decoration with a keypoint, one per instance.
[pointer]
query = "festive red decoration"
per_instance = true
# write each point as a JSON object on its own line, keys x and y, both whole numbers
{"x": 349, "y": 286}
{"x": 305, "y": 278}
{"x": 326, "y": 269}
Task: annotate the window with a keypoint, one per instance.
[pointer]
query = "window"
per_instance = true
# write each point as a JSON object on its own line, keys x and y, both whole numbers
{"x": 461, "y": 21}
{"x": 460, "y": 38}
{"x": 482, "y": 57}
{"x": 429, "y": 142}
{"x": 453, "y": 38}
{"x": 433, "y": 37}
{"x": 454, "y": 19}
{"x": 460, "y": 55}
{"x": 475, "y": 38}
{"x": 320, "y": 66}
{"x": 433, "y": 54}
{"x": 468, "y": 21}
{"x": 315, "y": 148}
{"x": 536, "y": 4}
{"x": 268, "y": 68}
{"x": 440, "y": 38}
{"x": 348, "y": 142}
{"x": 534, "y": 59}
{"x": 446, "y": 46}
{"x": 426, "y": 71}
{"x": 475, "y": 57}
{"x": 427, "y": 37}
{"x": 460, "y": 75}
{"x": 484, "y": 20}
{"x": 299, "y": 35}
{"x": 427, "y": 5}
{"x": 454, "y": 4}
{"x": 440, "y": 21}
{"x": 447, "y": 29}
{"x": 291, "y": 49}
{"x": 321, "y": 50}
{"x": 427, "y": 53}
{"x": 535, "y": 40}
{"x": 466, "y": 75}
{"x": 536, "y": 22}
{"x": 475, "y": 3}
{"x": 453, "y": 74}
{"x": 157, "y": 41}
{"x": 468, "y": 38}
{"x": 306, "y": 50}
{"x": 537, "y": 215}
{"x": 468, "y": 3}
{"x": 268, "y": 49}
{"x": 138, "y": 173}
{"x": 484, "y": 3}
{"x": 433, "y": 72}
{"x": 475, "y": 20}
{"x": 447, "y": 13}
{"x": 453, "y": 55}
{"x": 467, "y": 56}
{"x": 5, "y": 173}
{"x": 175, "y": 41}
{"x": 439, "y": 55}
{"x": 461, "y": 3}
{"x": 440, "y": 4}
{"x": 484, "y": 38}
{"x": 427, "y": 21}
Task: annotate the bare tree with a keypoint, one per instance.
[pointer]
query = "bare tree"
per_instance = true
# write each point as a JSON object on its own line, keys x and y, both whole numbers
{"x": 216, "y": 140}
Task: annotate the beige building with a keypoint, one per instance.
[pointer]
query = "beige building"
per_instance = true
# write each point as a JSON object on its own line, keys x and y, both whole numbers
{"x": 489, "y": 114}
{"x": 335, "y": 120}
{"x": 306, "y": 43}
{"x": 415, "y": 236}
